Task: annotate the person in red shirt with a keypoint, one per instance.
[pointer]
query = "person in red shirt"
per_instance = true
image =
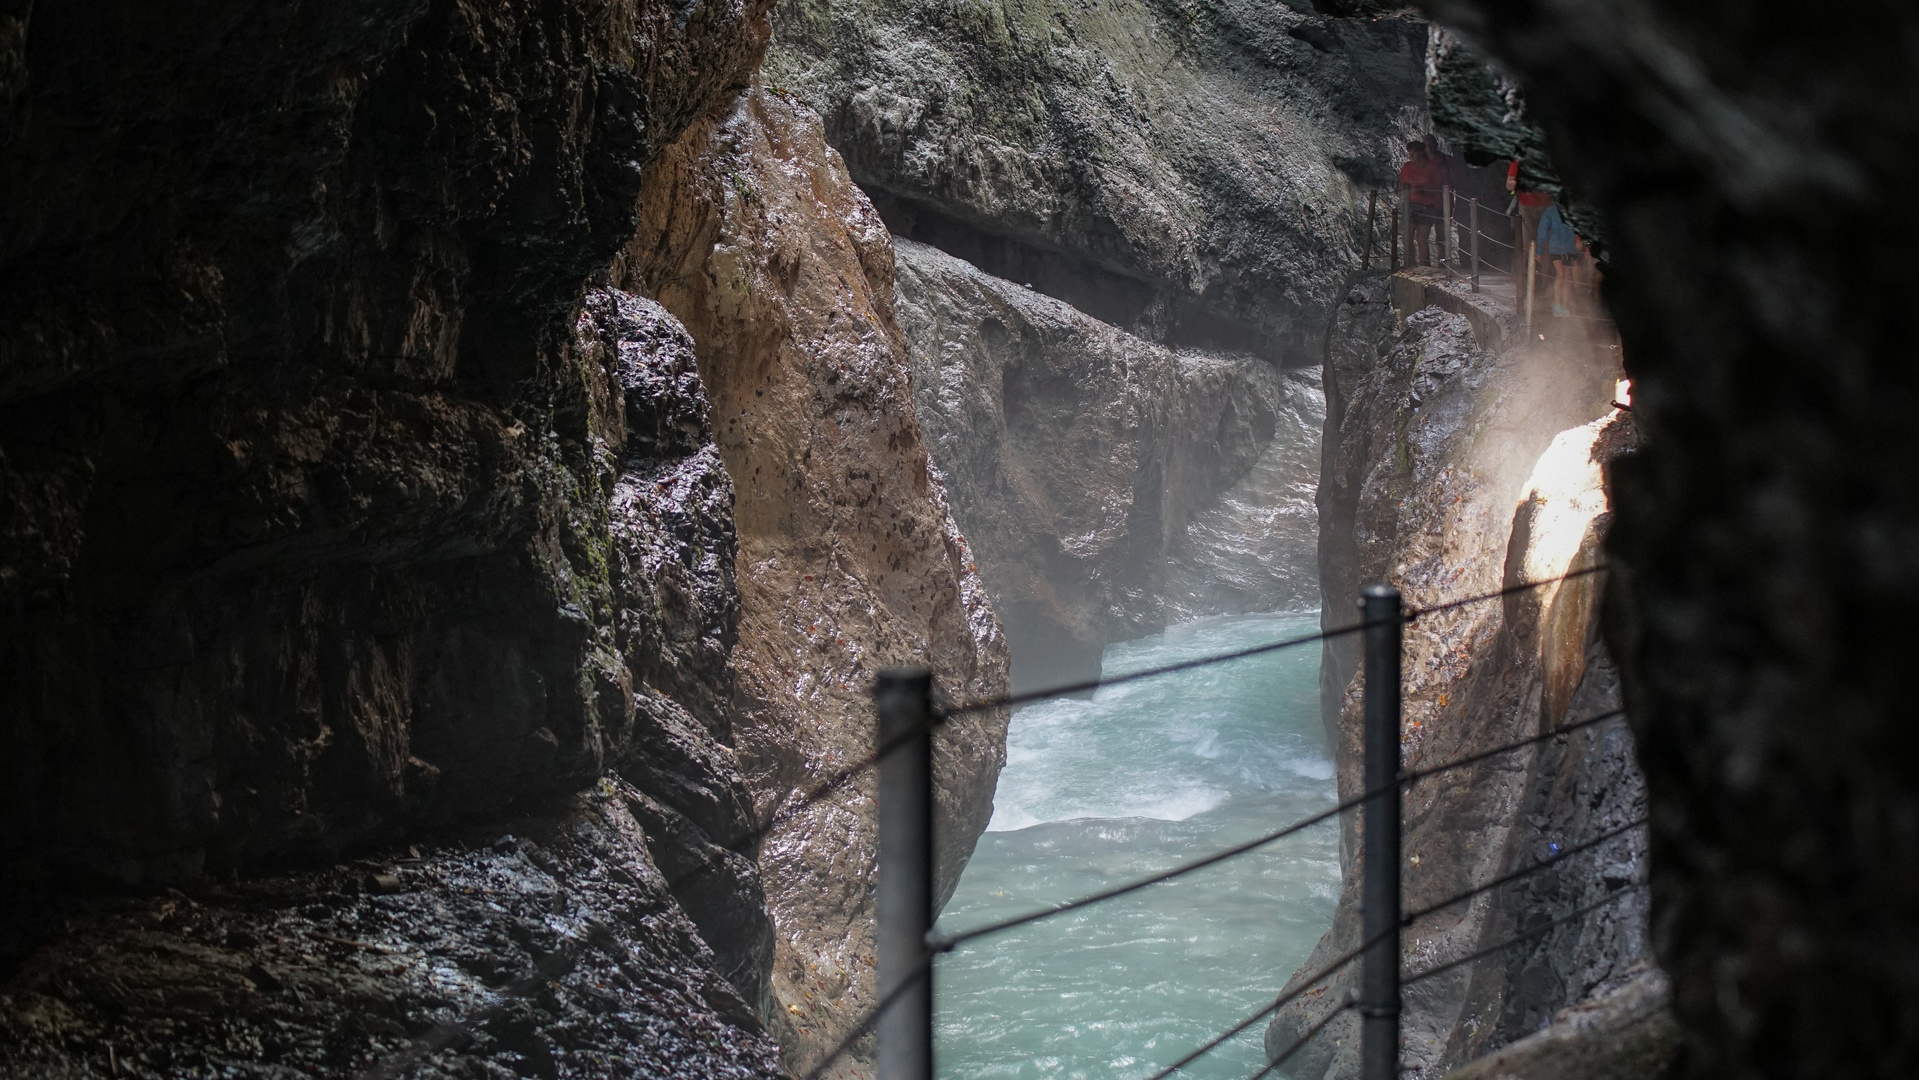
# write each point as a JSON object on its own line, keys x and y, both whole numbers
{"x": 1420, "y": 183}
{"x": 1531, "y": 205}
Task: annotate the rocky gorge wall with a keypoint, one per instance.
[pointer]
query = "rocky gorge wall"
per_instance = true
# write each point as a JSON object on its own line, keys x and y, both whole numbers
{"x": 405, "y": 635}
{"x": 850, "y": 561}
{"x": 371, "y": 581}
{"x": 1107, "y": 485}
{"x": 1453, "y": 470}
{"x": 1185, "y": 172}
{"x": 1114, "y": 222}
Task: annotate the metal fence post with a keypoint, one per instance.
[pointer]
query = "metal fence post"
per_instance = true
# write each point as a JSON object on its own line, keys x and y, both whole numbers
{"x": 1472, "y": 212}
{"x": 905, "y": 902}
{"x": 1447, "y": 251}
{"x": 1379, "y": 892}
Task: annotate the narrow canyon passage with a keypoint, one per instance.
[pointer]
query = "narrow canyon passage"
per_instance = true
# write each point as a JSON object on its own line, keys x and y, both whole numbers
{"x": 465, "y": 468}
{"x": 1141, "y": 778}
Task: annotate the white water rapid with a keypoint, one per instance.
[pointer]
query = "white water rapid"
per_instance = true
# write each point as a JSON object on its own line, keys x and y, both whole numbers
{"x": 1141, "y": 778}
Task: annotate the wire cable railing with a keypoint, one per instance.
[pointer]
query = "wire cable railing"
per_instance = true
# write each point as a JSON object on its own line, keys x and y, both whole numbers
{"x": 845, "y": 775}
{"x": 826, "y": 788}
{"x": 1407, "y": 919}
{"x": 1304, "y": 986}
{"x": 1410, "y": 616}
{"x": 948, "y": 942}
{"x": 1350, "y": 1002}
{"x": 936, "y": 944}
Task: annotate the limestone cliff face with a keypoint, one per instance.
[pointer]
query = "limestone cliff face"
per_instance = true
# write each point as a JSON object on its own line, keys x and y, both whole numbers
{"x": 1182, "y": 171}
{"x": 849, "y": 560}
{"x": 1453, "y": 471}
{"x": 1106, "y": 484}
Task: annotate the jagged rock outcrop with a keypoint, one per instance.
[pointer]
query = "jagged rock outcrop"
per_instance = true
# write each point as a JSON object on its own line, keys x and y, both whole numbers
{"x": 1752, "y": 174}
{"x": 1452, "y": 472}
{"x": 1105, "y": 483}
{"x": 1187, "y": 172}
{"x": 672, "y": 561}
{"x": 756, "y": 237}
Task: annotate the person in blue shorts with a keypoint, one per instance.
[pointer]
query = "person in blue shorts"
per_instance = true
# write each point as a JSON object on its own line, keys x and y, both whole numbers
{"x": 1557, "y": 242}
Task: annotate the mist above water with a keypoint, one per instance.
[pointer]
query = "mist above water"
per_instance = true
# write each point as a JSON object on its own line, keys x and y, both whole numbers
{"x": 1138, "y": 779}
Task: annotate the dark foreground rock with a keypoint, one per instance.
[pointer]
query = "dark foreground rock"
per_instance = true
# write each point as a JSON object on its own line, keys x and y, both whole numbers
{"x": 340, "y": 510}
{"x": 1753, "y": 173}
{"x": 551, "y": 949}
{"x": 564, "y": 951}
{"x": 305, "y": 481}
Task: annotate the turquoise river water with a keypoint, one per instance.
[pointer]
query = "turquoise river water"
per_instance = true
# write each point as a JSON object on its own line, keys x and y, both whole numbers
{"x": 1143, "y": 777}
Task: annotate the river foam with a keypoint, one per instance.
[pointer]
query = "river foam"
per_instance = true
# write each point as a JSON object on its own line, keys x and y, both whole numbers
{"x": 1140, "y": 778}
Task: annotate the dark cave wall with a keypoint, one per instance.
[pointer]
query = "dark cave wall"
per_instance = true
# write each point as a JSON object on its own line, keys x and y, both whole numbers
{"x": 346, "y": 512}
{"x": 304, "y": 478}
{"x": 1752, "y": 161}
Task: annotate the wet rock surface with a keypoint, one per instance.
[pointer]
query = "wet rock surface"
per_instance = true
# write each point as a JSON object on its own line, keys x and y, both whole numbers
{"x": 1184, "y": 172}
{"x": 1751, "y": 172}
{"x": 1624, "y": 1031}
{"x": 341, "y": 509}
{"x": 1454, "y": 472}
{"x": 554, "y": 949}
{"x": 229, "y": 978}
{"x": 1106, "y": 484}
{"x": 306, "y": 521}
{"x": 849, "y": 559}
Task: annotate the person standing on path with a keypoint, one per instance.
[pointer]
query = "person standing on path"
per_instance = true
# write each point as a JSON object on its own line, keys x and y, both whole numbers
{"x": 1558, "y": 242}
{"x": 1531, "y": 205}
{"x": 1419, "y": 193}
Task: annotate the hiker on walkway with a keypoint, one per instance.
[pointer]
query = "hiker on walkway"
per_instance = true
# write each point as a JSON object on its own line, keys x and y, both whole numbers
{"x": 1420, "y": 180}
{"x": 1531, "y": 205}
{"x": 1559, "y": 243}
